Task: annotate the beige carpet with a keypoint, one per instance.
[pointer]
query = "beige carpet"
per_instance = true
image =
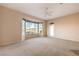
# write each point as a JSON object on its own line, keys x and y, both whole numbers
{"x": 42, "y": 46}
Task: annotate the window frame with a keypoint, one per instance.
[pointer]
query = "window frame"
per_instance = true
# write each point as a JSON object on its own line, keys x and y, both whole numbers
{"x": 38, "y": 29}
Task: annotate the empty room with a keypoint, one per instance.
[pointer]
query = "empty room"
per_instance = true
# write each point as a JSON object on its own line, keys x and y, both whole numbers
{"x": 39, "y": 29}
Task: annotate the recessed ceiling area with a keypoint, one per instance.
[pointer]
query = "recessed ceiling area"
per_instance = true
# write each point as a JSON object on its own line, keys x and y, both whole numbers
{"x": 39, "y": 9}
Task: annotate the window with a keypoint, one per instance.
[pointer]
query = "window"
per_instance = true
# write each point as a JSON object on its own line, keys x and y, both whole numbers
{"x": 41, "y": 29}
{"x": 30, "y": 28}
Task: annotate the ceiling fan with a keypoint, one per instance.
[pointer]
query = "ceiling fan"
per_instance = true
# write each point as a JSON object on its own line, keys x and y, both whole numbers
{"x": 49, "y": 12}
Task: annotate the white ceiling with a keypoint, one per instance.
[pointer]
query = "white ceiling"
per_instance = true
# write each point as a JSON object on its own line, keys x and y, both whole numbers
{"x": 38, "y": 9}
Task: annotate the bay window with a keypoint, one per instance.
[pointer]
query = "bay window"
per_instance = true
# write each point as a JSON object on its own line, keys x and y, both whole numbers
{"x": 30, "y": 28}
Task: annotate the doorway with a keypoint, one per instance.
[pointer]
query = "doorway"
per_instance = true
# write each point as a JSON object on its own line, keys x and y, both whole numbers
{"x": 51, "y": 30}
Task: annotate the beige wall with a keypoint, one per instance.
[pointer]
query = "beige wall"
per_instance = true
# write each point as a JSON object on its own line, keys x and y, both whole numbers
{"x": 10, "y": 25}
{"x": 45, "y": 31}
{"x": 67, "y": 27}
{"x": 0, "y": 24}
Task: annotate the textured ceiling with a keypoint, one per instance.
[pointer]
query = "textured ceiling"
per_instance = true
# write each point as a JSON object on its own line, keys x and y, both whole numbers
{"x": 38, "y": 9}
